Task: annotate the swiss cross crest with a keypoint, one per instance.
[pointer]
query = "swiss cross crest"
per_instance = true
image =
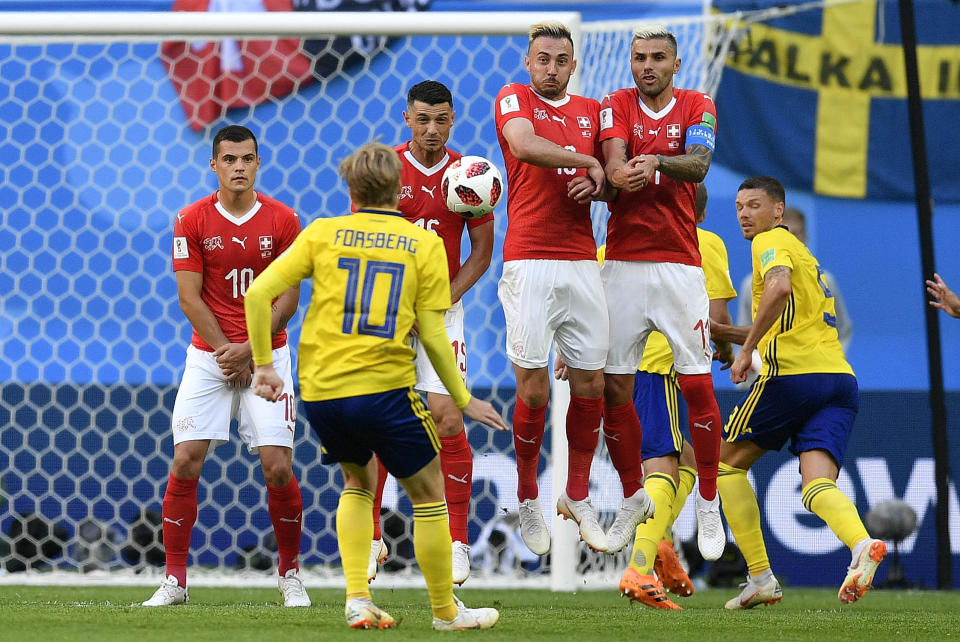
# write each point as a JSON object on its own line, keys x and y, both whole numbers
{"x": 539, "y": 114}
{"x": 266, "y": 246}
{"x": 213, "y": 243}
{"x": 673, "y": 130}
{"x": 638, "y": 130}
{"x": 584, "y": 122}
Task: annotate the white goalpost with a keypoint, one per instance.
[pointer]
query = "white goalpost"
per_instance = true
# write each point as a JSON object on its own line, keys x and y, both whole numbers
{"x": 105, "y": 135}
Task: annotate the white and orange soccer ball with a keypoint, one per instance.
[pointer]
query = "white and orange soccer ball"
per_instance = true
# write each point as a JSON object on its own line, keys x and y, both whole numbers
{"x": 472, "y": 186}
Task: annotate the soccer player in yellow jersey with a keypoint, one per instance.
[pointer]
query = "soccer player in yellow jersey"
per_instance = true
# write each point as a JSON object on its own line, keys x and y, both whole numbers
{"x": 668, "y": 477}
{"x": 806, "y": 393}
{"x": 374, "y": 274}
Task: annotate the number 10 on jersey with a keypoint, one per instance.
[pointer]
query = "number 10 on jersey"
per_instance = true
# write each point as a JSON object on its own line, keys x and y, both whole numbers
{"x": 363, "y": 286}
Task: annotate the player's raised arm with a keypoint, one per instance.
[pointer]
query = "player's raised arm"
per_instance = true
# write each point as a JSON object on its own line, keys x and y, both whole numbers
{"x": 526, "y": 146}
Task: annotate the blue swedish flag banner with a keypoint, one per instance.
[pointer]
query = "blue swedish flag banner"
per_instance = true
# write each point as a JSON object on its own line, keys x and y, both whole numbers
{"x": 819, "y": 100}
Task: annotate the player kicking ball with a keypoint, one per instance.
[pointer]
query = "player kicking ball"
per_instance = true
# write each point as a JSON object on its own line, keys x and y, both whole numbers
{"x": 374, "y": 274}
{"x": 806, "y": 393}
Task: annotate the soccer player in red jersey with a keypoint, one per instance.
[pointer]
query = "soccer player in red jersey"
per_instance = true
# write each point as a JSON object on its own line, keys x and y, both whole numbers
{"x": 551, "y": 287}
{"x": 220, "y": 244}
{"x": 658, "y": 142}
{"x": 424, "y": 158}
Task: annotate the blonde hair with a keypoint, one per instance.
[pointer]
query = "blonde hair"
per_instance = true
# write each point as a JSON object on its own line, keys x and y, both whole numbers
{"x": 372, "y": 174}
{"x": 655, "y": 32}
{"x": 549, "y": 29}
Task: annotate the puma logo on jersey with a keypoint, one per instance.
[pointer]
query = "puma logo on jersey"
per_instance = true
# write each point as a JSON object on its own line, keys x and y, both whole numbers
{"x": 462, "y": 480}
{"x": 295, "y": 520}
{"x": 242, "y": 243}
{"x": 175, "y": 522}
{"x": 655, "y": 132}
{"x": 179, "y": 218}
{"x": 428, "y": 191}
{"x": 704, "y": 426}
{"x": 560, "y": 119}
{"x": 526, "y": 441}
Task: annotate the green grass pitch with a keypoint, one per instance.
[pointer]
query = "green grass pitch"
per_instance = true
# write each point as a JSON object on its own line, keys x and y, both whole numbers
{"x": 110, "y": 613}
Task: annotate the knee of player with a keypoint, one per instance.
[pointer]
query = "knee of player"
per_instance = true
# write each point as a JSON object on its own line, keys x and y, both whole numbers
{"x": 187, "y": 463}
{"x": 589, "y": 388}
{"x": 449, "y": 424}
{"x": 534, "y": 396}
{"x": 277, "y": 473}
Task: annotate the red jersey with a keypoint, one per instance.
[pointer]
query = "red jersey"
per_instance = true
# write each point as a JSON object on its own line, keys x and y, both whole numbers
{"x": 544, "y": 223}
{"x": 421, "y": 203}
{"x": 230, "y": 252}
{"x": 658, "y": 223}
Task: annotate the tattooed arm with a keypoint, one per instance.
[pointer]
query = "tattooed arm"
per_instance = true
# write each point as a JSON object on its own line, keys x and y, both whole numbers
{"x": 690, "y": 167}
{"x": 777, "y": 290}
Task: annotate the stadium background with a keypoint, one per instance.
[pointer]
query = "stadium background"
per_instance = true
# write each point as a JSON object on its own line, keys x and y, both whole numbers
{"x": 104, "y": 371}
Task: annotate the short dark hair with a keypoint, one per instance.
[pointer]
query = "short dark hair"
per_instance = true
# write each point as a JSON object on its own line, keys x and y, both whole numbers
{"x": 793, "y": 212}
{"x": 768, "y": 184}
{"x": 430, "y": 92}
{"x": 234, "y": 134}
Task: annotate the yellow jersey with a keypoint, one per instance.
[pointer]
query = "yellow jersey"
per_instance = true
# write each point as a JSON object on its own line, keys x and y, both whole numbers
{"x": 657, "y": 356}
{"x": 804, "y": 340}
{"x": 372, "y": 271}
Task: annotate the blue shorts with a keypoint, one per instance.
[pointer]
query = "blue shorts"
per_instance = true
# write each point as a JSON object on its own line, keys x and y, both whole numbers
{"x": 813, "y": 411}
{"x": 394, "y": 424}
{"x": 659, "y": 405}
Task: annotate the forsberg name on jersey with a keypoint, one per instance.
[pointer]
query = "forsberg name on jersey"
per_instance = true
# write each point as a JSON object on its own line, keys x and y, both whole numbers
{"x": 377, "y": 240}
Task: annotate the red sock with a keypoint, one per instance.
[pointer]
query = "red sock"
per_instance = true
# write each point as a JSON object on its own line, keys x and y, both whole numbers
{"x": 456, "y": 461}
{"x": 583, "y": 421}
{"x": 286, "y": 512}
{"x": 179, "y": 515}
{"x": 378, "y": 498}
{"x": 705, "y": 428}
{"x": 528, "y": 424}
{"x": 622, "y": 433}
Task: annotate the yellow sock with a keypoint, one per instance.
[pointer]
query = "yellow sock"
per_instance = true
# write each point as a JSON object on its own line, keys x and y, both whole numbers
{"x": 743, "y": 516}
{"x": 433, "y": 547}
{"x": 824, "y": 499}
{"x": 354, "y": 535}
{"x": 688, "y": 476}
{"x": 662, "y": 490}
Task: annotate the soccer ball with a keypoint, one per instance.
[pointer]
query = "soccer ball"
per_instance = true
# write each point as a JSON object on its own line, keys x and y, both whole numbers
{"x": 471, "y": 186}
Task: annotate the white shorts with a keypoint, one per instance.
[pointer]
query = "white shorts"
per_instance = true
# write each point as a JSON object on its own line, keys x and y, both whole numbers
{"x": 205, "y": 405}
{"x": 545, "y": 300}
{"x": 427, "y": 378}
{"x": 669, "y": 297}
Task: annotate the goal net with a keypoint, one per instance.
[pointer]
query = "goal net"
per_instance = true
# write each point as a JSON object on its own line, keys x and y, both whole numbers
{"x": 106, "y": 123}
